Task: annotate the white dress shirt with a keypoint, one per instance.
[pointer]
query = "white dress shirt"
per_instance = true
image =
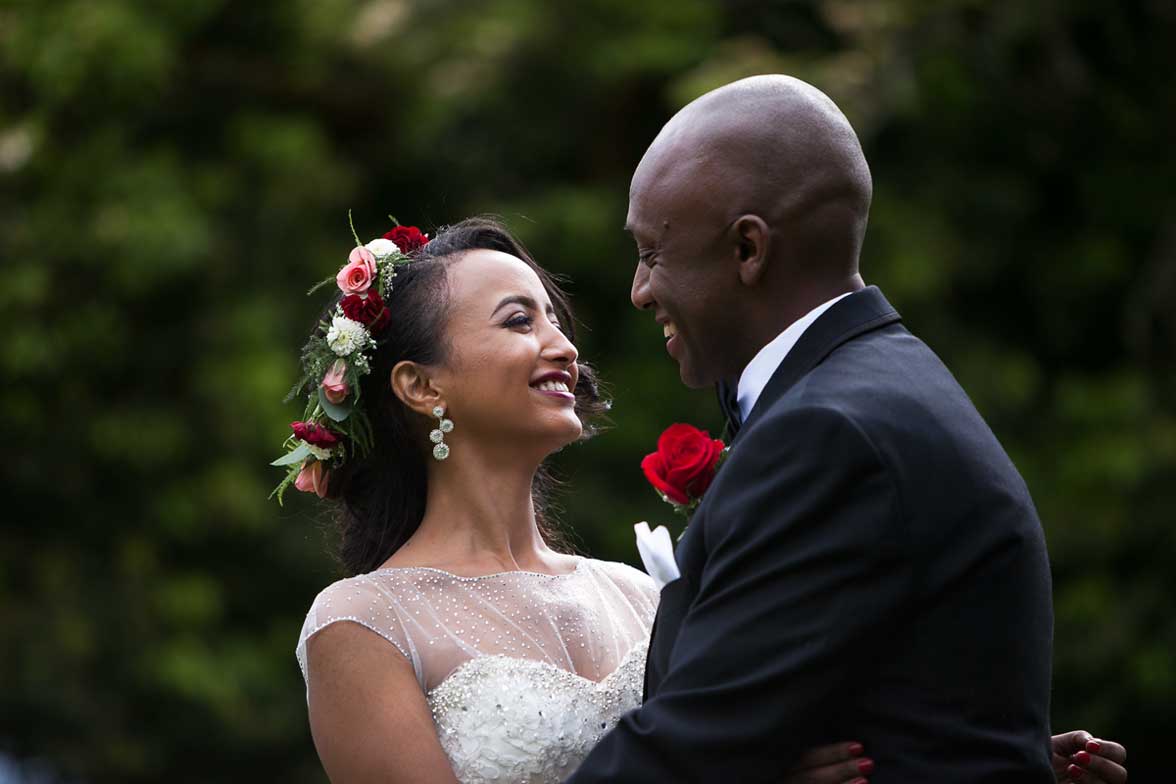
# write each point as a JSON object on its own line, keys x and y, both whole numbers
{"x": 761, "y": 367}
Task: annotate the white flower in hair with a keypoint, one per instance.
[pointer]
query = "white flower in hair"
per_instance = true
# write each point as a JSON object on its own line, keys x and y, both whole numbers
{"x": 382, "y": 247}
{"x": 320, "y": 453}
{"x": 345, "y": 336}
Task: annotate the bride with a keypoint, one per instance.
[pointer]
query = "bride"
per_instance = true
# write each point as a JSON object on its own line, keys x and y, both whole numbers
{"x": 477, "y": 649}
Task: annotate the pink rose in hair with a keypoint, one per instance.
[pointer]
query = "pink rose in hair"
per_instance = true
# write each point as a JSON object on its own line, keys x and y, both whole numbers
{"x": 356, "y": 277}
{"x": 313, "y": 478}
{"x": 335, "y": 382}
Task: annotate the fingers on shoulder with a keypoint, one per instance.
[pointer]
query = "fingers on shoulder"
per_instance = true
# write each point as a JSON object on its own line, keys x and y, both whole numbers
{"x": 836, "y": 773}
{"x": 1105, "y": 770}
{"x": 837, "y": 763}
{"x": 1067, "y": 743}
{"x": 1108, "y": 749}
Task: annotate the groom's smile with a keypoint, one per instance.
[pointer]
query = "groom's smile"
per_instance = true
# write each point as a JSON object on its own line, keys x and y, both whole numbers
{"x": 672, "y": 342}
{"x": 670, "y": 332}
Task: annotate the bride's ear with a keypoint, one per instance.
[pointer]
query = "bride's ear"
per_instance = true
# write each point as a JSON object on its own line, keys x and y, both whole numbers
{"x": 412, "y": 383}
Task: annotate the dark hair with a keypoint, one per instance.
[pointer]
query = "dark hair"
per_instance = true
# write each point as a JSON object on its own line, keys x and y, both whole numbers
{"x": 382, "y": 494}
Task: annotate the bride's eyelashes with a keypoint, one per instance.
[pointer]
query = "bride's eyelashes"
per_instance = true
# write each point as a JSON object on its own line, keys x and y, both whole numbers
{"x": 524, "y": 320}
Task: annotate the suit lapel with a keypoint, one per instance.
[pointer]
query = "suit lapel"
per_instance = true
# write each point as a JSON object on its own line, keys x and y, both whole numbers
{"x": 860, "y": 312}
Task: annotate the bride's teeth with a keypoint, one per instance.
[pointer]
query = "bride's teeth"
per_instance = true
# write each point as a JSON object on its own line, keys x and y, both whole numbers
{"x": 553, "y": 386}
{"x": 669, "y": 331}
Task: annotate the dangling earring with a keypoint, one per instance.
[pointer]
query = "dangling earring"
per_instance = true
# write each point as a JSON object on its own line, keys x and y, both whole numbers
{"x": 441, "y": 450}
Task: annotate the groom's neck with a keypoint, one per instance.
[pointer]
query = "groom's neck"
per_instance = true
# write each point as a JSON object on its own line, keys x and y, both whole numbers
{"x": 773, "y": 313}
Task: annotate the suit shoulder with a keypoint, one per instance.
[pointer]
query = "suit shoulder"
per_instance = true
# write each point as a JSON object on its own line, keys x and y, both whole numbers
{"x": 826, "y": 420}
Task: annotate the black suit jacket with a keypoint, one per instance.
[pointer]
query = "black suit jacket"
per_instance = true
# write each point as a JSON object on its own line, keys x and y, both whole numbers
{"x": 867, "y": 566}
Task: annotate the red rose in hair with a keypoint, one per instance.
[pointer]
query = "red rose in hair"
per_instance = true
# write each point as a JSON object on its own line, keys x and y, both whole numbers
{"x": 315, "y": 435}
{"x": 370, "y": 311}
{"x": 408, "y": 238}
{"x": 684, "y": 464}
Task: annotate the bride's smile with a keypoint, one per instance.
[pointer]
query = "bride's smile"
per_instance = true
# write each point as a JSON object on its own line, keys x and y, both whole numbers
{"x": 557, "y": 384}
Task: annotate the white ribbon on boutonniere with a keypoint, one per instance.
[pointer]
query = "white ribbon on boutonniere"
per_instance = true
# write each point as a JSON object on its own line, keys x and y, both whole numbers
{"x": 657, "y": 553}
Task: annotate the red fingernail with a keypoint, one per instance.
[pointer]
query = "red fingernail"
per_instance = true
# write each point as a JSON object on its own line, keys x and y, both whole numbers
{"x": 856, "y": 749}
{"x": 1093, "y": 746}
{"x": 866, "y": 766}
{"x": 1075, "y": 772}
{"x": 1082, "y": 758}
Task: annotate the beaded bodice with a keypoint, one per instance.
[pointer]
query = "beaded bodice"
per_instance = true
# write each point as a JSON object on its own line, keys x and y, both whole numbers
{"x": 524, "y": 672}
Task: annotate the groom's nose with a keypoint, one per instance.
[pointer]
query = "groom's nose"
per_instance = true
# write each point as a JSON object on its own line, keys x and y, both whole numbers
{"x": 642, "y": 299}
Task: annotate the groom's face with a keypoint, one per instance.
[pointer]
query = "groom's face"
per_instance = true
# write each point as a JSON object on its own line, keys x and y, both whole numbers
{"x": 681, "y": 277}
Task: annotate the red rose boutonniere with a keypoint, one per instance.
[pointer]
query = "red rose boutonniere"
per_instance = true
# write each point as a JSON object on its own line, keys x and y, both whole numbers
{"x": 683, "y": 466}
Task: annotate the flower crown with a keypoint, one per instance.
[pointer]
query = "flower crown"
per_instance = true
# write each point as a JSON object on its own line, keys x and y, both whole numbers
{"x": 338, "y": 353}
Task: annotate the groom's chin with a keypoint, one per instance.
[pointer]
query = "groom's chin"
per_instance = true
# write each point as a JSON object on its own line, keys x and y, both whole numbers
{"x": 692, "y": 378}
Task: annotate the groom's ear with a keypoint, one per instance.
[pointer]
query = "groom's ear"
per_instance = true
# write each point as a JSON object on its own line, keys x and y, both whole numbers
{"x": 412, "y": 384}
{"x": 751, "y": 238}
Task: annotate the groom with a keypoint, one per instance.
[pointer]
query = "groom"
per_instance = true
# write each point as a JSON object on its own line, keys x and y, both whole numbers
{"x": 868, "y": 563}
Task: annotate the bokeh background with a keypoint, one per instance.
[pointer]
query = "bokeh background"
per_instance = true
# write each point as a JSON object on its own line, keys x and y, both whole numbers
{"x": 175, "y": 173}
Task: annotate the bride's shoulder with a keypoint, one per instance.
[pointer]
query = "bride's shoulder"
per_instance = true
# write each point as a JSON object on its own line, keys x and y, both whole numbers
{"x": 371, "y": 600}
{"x": 626, "y": 578}
{"x": 386, "y": 596}
{"x": 359, "y": 589}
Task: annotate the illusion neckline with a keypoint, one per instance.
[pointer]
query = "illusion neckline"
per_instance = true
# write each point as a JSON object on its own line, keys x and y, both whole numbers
{"x": 579, "y": 564}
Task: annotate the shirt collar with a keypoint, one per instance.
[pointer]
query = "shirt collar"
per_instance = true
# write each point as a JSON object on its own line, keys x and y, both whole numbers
{"x": 761, "y": 367}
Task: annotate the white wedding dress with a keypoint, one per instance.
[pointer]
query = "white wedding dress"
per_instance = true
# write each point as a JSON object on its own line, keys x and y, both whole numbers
{"x": 524, "y": 672}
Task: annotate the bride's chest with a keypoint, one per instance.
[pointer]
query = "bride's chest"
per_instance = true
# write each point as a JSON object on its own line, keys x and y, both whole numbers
{"x": 501, "y": 718}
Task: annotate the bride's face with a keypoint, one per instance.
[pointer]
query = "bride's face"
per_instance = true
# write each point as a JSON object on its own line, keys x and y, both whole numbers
{"x": 510, "y": 370}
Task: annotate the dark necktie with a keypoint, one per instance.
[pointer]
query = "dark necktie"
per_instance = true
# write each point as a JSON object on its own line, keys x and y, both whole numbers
{"x": 729, "y": 402}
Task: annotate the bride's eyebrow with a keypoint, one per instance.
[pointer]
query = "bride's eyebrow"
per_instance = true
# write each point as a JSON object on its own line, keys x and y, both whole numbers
{"x": 520, "y": 299}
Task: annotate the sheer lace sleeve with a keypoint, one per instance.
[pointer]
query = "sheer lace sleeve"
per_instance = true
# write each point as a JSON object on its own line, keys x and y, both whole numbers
{"x": 636, "y": 586}
{"x": 364, "y": 601}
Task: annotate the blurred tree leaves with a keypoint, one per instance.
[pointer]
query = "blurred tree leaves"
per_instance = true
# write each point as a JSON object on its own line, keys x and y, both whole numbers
{"x": 173, "y": 175}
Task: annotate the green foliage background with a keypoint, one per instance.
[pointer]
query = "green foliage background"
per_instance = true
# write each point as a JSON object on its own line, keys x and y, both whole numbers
{"x": 173, "y": 174}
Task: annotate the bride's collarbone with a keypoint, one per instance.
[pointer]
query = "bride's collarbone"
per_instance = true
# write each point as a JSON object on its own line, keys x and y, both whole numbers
{"x": 555, "y": 566}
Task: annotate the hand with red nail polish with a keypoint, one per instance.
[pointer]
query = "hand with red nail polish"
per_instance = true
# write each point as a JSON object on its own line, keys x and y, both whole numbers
{"x": 837, "y": 763}
{"x": 1079, "y": 757}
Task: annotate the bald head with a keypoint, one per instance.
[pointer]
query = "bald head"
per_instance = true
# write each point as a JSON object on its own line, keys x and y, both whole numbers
{"x": 772, "y": 146}
{"x": 748, "y": 210}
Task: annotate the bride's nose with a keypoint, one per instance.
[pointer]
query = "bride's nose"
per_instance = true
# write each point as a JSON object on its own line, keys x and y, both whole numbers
{"x": 557, "y": 348}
